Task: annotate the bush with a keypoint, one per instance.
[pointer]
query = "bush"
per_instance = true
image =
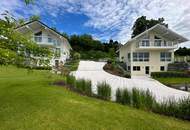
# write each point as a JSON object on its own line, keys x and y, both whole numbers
{"x": 179, "y": 109}
{"x": 84, "y": 86}
{"x": 93, "y": 55}
{"x": 137, "y": 98}
{"x": 104, "y": 91}
{"x": 36, "y": 67}
{"x": 127, "y": 75}
{"x": 169, "y": 74}
{"x": 71, "y": 80}
{"x": 76, "y": 56}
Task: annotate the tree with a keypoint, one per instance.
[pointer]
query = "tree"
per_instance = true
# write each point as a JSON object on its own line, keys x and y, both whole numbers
{"x": 34, "y": 17}
{"x": 28, "y": 1}
{"x": 20, "y": 21}
{"x": 142, "y": 24}
{"x": 183, "y": 51}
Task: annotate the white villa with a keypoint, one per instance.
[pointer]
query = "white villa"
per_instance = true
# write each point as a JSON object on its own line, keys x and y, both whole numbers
{"x": 45, "y": 36}
{"x": 150, "y": 51}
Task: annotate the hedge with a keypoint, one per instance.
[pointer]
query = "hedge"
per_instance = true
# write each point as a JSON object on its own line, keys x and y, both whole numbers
{"x": 169, "y": 74}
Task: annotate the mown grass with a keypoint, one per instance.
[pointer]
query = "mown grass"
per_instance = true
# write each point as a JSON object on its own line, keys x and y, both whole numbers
{"x": 28, "y": 101}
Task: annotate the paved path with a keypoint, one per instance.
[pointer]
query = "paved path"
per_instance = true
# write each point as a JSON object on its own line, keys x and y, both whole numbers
{"x": 94, "y": 71}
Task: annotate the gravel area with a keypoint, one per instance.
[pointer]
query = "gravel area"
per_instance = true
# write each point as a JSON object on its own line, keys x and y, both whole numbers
{"x": 94, "y": 71}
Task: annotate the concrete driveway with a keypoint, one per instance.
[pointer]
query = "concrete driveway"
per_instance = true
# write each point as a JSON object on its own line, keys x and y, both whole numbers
{"x": 94, "y": 71}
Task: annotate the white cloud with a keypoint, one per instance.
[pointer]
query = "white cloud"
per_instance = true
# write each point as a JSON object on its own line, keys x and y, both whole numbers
{"x": 114, "y": 18}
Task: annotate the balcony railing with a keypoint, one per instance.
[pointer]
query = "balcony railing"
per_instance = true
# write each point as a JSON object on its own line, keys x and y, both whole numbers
{"x": 156, "y": 44}
{"x": 46, "y": 40}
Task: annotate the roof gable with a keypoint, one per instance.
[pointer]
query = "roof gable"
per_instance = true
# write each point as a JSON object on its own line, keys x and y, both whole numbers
{"x": 162, "y": 31}
{"x": 45, "y": 26}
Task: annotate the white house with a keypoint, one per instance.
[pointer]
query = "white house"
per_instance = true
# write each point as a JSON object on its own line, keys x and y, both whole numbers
{"x": 150, "y": 51}
{"x": 45, "y": 36}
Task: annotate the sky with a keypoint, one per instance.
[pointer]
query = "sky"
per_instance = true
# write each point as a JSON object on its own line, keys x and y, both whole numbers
{"x": 103, "y": 19}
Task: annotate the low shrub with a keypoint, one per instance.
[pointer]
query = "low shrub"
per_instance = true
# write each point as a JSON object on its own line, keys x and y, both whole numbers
{"x": 149, "y": 100}
{"x": 126, "y": 97}
{"x": 84, "y": 86}
{"x": 179, "y": 109}
{"x": 71, "y": 80}
{"x": 104, "y": 91}
{"x": 127, "y": 75}
{"x": 119, "y": 95}
{"x": 169, "y": 74}
{"x": 136, "y": 101}
{"x": 37, "y": 67}
{"x": 137, "y": 98}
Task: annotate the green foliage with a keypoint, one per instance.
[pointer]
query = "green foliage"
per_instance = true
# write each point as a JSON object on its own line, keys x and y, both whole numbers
{"x": 179, "y": 109}
{"x": 84, "y": 86}
{"x": 28, "y": 1}
{"x": 90, "y": 48}
{"x": 126, "y": 97}
{"x": 169, "y": 74}
{"x": 34, "y": 17}
{"x": 104, "y": 91}
{"x": 76, "y": 56}
{"x": 119, "y": 95}
{"x": 93, "y": 55}
{"x": 141, "y": 24}
{"x": 71, "y": 80}
{"x": 182, "y": 51}
{"x": 136, "y": 98}
{"x": 72, "y": 65}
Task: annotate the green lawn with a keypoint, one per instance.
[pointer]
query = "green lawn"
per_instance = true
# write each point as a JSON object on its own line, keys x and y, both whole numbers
{"x": 29, "y": 102}
{"x": 173, "y": 80}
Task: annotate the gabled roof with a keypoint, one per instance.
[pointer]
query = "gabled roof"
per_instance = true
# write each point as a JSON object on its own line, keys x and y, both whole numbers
{"x": 41, "y": 23}
{"x": 163, "y": 31}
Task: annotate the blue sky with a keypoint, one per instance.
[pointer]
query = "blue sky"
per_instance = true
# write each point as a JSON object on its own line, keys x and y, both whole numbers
{"x": 103, "y": 19}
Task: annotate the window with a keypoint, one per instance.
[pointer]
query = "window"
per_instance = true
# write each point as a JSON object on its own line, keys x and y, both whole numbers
{"x": 157, "y": 41}
{"x": 165, "y": 56}
{"x": 58, "y": 43}
{"x": 57, "y": 52}
{"x": 38, "y": 37}
{"x": 136, "y": 68}
{"x": 162, "y": 68}
{"x": 50, "y": 40}
{"x": 135, "y": 57}
{"x": 141, "y": 56}
{"x": 129, "y": 56}
{"x": 145, "y": 42}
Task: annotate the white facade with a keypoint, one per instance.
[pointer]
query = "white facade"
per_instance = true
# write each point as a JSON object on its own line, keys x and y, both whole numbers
{"x": 150, "y": 51}
{"x": 45, "y": 36}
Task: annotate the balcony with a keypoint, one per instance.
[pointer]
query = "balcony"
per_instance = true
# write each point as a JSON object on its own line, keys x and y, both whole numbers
{"x": 48, "y": 41}
{"x": 156, "y": 45}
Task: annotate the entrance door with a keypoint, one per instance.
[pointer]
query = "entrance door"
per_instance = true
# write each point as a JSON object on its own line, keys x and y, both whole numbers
{"x": 147, "y": 70}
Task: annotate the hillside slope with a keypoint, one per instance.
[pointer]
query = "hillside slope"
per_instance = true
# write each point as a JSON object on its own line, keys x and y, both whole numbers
{"x": 29, "y": 102}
